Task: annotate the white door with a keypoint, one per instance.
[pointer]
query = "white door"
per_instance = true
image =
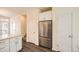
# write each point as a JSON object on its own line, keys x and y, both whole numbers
{"x": 76, "y": 30}
{"x": 64, "y": 31}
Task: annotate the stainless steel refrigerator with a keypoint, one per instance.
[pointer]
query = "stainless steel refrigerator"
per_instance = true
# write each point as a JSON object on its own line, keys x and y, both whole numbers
{"x": 45, "y": 33}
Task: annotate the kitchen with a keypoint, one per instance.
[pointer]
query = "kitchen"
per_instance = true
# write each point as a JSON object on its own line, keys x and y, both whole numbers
{"x": 43, "y": 29}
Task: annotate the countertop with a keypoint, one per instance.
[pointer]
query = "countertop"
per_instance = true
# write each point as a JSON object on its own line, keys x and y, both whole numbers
{"x": 8, "y": 36}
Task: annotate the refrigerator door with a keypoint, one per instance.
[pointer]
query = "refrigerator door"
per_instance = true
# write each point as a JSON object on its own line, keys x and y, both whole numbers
{"x": 41, "y": 29}
{"x": 45, "y": 33}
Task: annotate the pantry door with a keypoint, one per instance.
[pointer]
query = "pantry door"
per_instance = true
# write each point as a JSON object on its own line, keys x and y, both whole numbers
{"x": 76, "y": 30}
{"x": 64, "y": 31}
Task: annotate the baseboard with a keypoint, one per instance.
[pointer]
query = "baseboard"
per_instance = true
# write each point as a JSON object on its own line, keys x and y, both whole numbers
{"x": 55, "y": 50}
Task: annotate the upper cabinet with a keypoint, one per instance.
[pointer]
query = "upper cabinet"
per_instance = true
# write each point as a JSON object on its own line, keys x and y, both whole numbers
{"x": 47, "y": 15}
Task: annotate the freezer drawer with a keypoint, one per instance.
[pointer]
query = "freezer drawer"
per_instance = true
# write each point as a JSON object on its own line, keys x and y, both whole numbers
{"x": 45, "y": 42}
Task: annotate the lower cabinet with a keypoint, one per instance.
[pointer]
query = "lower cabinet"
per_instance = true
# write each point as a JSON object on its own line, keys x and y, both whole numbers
{"x": 15, "y": 44}
{"x": 18, "y": 43}
{"x": 4, "y": 45}
{"x": 11, "y": 45}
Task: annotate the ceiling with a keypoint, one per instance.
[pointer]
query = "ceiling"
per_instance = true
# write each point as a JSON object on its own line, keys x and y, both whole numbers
{"x": 21, "y": 10}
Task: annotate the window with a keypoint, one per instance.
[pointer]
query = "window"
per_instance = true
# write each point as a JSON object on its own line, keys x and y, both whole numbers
{"x": 9, "y": 27}
{"x": 4, "y": 26}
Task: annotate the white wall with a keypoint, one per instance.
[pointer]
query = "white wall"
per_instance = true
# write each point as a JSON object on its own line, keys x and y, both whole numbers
{"x": 23, "y": 24}
{"x": 32, "y": 25}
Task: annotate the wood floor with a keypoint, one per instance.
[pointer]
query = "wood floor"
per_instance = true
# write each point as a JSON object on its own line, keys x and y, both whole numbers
{"x": 30, "y": 47}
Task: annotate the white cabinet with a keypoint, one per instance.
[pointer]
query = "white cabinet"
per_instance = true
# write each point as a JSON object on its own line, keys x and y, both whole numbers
{"x": 48, "y": 15}
{"x": 18, "y": 43}
{"x": 15, "y": 44}
{"x": 12, "y": 45}
{"x": 45, "y": 15}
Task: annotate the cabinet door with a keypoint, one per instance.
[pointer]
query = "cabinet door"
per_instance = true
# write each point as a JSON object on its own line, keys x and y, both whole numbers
{"x": 12, "y": 45}
{"x": 48, "y": 15}
{"x": 45, "y": 16}
{"x": 41, "y": 16}
{"x": 18, "y": 43}
{"x": 4, "y": 45}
